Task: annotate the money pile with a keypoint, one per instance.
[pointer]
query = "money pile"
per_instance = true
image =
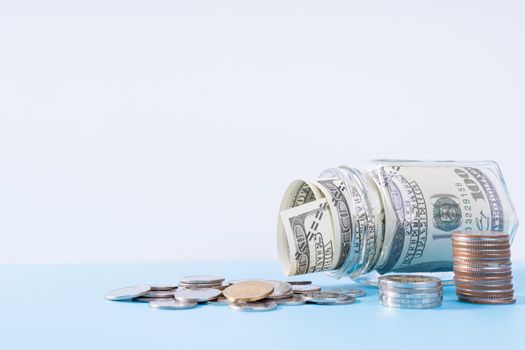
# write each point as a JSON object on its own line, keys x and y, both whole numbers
{"x": 239, "y": 295}
{"x": 482, "y": 267}
{"x": 410, "y": 291}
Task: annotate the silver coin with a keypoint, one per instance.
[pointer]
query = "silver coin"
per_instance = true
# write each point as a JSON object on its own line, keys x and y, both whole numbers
{"x": 482, "y": 264}
{"x": 197, "y": 295}
{"x": 411, "y": 296}
{"x": 299, "y": 283}
{"x": 171, "y": 304}
{"x": 409, "y": 291}
{"x": 483, "y": 283}
{"x": 220, "y": 301}
{"x": 202, "y": 279}
{"x": 432, "y": 290}
{"x": 162, "y": 287}
{"x": 492, "y": 272}
{"x": 409, "y": 281}
{"x": 127, "y": 293}
{"x": 497, "y": 269}
{"x": 329, "y": 298}
{"x": 148, "y": 300}
{"x": 160, "y": 294}
{"x": 222, "y": 286}
{"x": 295, "y": 299}
{"x": 305, "y": 288}
{"x": 201, "y": 285}
{"x": 351, "y": 291}
{"x": 282, "y": 296}
{"x": 410, "y": 301}
{"x": 410, "y": 306}
{"x": 280, "y": 290}
{"x": 254, "y": 306}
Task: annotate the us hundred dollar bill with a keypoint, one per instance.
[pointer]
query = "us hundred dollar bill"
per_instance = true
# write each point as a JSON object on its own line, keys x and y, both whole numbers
{"x": 335, "y": 193}
{"x": 306, "y": 239}
{"x": 424, "y": 205}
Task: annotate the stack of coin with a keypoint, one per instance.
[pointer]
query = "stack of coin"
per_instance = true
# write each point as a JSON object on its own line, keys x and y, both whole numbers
{"x": 410, "y": 291}
{"x": 203, "y": 281}
{"x": 482, "y": 267}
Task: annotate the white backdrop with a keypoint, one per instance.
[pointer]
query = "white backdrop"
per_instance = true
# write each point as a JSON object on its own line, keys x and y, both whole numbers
{"x": 168, "y": 130}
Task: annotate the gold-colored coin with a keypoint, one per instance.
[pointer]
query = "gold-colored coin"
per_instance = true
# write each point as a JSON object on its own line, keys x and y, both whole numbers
{"x": 248, "y": 291}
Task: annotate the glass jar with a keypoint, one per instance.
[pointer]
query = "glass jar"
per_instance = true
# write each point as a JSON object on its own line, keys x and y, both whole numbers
{"x": 394, "y": 216}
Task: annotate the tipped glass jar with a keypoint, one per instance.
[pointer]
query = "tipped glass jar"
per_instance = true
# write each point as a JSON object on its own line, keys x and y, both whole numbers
{"x": 394, "y": 216}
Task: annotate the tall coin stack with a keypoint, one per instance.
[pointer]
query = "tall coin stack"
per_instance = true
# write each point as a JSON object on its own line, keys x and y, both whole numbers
{"x": 410, "y": 291}
{"x": 482, "y": 267}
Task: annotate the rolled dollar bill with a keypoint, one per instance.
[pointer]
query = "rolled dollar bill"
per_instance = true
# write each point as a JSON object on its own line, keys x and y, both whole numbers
{"x": 308, "y": 244}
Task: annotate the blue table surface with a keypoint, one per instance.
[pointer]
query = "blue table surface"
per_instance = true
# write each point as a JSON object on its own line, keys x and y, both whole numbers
{"x": 62, "y": 307}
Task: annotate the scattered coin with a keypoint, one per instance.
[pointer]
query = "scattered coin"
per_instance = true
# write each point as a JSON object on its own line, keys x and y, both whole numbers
{"x": 203, "y": 285}
{"x": 295, "y": 299}
{"x": 280, "y": 290}
{"x": 221, "y": 300}
{"x": 282, "y": 296}
{"x": 254, "y": 306}
{"x": 351, "y": 291}
{"x": 171, "y": 304}
{"x": 248, "y": 291}
{"x": 160, "y": 294}
{"x": 148, "y": 300}
{"x": 305, "y": 288}
{"x": 223, "y": 286}
{"x": 162, "y": 287}
{"x": 202, "y": 279}
{"x": 197, "y": 295}
{"x": 329, "y": 298}
{"x": 299, "y": 283}
{"x": 127, "y": 293}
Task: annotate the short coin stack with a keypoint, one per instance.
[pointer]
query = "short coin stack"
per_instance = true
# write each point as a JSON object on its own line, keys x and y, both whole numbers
{"x": 410, "y": 291}
{"x": 482, "y": 267}
{"x": 239, "y": 295}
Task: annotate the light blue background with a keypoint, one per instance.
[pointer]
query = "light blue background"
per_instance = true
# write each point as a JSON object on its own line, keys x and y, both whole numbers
{"x": 59, "y": 307}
